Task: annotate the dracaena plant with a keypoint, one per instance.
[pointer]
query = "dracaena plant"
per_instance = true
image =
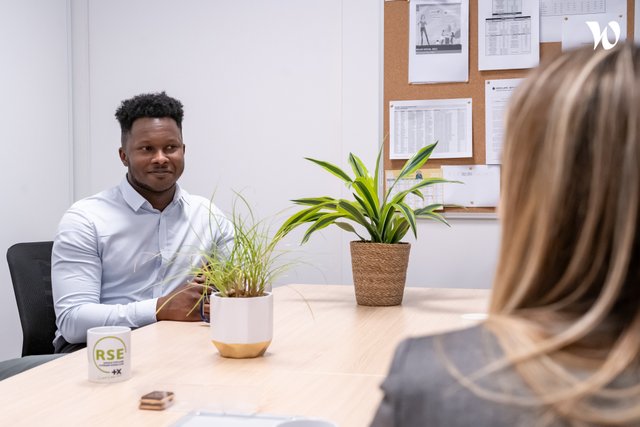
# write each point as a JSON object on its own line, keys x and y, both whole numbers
{"x": 386, "y": 219}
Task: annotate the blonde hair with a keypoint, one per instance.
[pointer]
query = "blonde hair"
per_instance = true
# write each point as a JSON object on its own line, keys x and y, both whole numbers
{"x": 567, "y": 289}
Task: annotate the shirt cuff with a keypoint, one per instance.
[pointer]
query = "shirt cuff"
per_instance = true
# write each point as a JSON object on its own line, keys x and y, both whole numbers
{"x": 147, "y": 311}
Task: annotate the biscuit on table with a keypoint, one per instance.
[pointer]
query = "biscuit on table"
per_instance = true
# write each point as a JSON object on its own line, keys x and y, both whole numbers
{"x": 156, "y": 400}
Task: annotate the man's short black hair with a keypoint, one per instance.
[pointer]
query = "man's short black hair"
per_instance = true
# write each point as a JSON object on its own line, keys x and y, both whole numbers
{"x": 157, "y": 105}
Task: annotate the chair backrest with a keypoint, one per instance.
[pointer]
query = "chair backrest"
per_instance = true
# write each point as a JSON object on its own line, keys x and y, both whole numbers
{"x": 30, "y": 268}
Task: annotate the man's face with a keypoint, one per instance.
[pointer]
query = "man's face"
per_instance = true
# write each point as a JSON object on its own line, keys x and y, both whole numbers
{"x": 154, "y": 155}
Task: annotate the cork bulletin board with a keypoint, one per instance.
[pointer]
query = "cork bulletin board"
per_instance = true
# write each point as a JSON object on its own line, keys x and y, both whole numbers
{"x": 397, "y": 87}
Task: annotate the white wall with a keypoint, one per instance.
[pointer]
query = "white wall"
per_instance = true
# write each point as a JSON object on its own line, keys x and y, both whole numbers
{"x": 264, "y": 84}
{"x": 34, "y": 112}
{"x": 460, "y": 256}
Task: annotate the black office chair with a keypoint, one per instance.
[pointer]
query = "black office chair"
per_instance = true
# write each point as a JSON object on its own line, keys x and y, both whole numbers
{"x": 30, "y": 268}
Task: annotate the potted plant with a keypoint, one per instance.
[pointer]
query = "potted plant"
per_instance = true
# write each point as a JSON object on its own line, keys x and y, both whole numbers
{"x": 241, "y": 306}
{"x": 379, "y": 259}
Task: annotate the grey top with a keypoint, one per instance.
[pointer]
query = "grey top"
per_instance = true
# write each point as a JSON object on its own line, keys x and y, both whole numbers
{"x": 420, "y": 391}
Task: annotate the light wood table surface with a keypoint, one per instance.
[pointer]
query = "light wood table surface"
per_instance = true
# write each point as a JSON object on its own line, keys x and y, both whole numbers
{"x": 327, "y": 360}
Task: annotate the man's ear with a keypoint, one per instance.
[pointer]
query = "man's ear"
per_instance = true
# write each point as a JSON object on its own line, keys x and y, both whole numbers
{"x": 123, "y": 157}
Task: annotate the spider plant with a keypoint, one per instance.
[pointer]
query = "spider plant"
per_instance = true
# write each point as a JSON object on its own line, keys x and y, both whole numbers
{"x": 386, "y": 219}
{"x": 249, "y": 268}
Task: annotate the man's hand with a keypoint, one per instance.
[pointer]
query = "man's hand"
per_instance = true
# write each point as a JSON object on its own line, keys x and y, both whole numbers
{"x": 183, "y": 303}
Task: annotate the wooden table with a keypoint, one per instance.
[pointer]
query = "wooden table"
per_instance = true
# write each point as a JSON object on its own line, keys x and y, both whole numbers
{"x": 327, "y": 360}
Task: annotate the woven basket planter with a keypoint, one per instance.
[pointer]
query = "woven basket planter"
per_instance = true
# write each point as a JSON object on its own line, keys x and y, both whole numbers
{"x": 379, "y": 272}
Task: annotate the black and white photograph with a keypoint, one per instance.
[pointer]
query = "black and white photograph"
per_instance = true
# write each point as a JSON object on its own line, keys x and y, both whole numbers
{"x": 438, "y": 28}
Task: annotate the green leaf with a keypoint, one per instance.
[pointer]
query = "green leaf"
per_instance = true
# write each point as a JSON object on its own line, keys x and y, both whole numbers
{"x": 357, "y": 166}
{"x": 429, "y": 209}
{"x": 297, "y": 219}
{"x": 418, "y": 193}
{"x": 416, "y": 162}
{"x": 358, "y": 217}
{"x": 453, "y": 205}
{"x": 412, "y": 165}
{"x": 368, "y": 195}
{"x": 367, "y": 183}
{"x": 366, "y": 210}
{"x": 435, "y": 216}
{"x": 400, "y": 196}
{"x": 333, "y": 169}
{"x": 353, "y": 211}
{"x": 348, "y": 227}
{"x": 313, "y": 201}
{"x": 376, "y": 177}
{"x": 321, "y": 223}
{"x": 386, "y": 222}
{"x": 400, "y": 231}
{"x": 408, "y": 214}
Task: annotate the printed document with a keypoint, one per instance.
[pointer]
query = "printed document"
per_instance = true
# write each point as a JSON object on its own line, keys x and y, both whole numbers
{"x": 432, "y": 193}
{"x": 604, "y": 29}
{"x": 416, "y": 124}
{"x": 438, "y": 41}
{"x": 553, "y": 12}
{"x": 496, "y": 97}
{"x": 508, "y": 34}
{"x": 480, "y": 188}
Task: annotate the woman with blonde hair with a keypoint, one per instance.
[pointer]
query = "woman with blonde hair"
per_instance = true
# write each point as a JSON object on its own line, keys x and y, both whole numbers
{"x": 561, "y": 343}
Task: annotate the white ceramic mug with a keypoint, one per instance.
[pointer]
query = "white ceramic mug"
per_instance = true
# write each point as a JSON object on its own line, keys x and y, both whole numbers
{"x": 109, "y": 353}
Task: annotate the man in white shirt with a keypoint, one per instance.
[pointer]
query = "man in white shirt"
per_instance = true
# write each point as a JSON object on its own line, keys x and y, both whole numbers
{"x": 124, "y": 256}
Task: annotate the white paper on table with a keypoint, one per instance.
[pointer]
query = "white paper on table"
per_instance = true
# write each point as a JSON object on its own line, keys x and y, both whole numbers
{"x": 480, "y": 188}
{"x": 438, "y": 41}
{"x": 576, "y": 32}
{"x": 432, "y": 194}
{"x": 199, "y": 418}
{"x": 552, "y": 13}
{"x": 496, "y": 96}
{"x": 416, "y": 124}
{"x": 508, "y": 34}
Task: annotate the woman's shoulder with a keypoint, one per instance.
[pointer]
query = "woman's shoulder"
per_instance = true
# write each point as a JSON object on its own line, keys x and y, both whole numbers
{"x": 462, "y": 343}
{"x": 429, "y": 377}
{"x": 464, "y": 351}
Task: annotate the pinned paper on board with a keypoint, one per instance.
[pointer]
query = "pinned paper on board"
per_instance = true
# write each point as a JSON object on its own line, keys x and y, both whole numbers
{"x": 553, "y": 12}
{"x": 433, "y": 194}
{"x": 496, "y": 98}
{"x": 438, "y": 41}
{"x": 416, "y": 124}
{"x": 605, "y": 29}
{"x": 508, "y": 34}
{"x": 480, "y": 188}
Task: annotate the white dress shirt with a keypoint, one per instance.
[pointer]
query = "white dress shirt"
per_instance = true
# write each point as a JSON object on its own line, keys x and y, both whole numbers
{"x": 114, "y": 255}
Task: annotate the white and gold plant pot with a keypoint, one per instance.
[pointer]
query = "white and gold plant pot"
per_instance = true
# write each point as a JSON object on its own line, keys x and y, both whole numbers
{"x": 241, "y": 328}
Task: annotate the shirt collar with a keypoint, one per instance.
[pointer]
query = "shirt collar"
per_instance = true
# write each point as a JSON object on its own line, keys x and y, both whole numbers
{"x": 135, "y": 199}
